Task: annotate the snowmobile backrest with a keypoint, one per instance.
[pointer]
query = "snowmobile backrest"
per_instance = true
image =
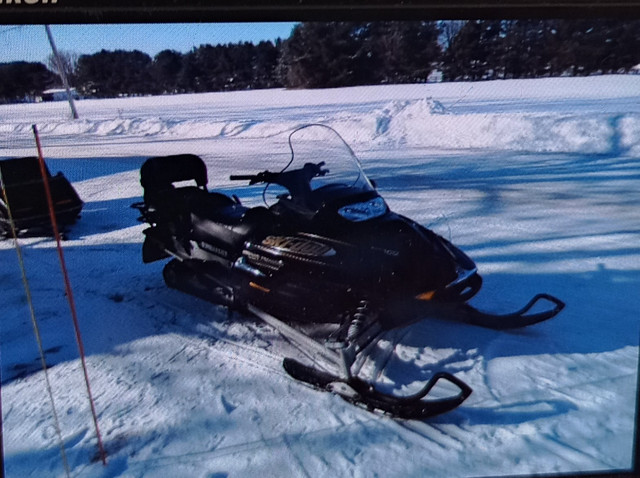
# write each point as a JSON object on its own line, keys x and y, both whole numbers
{"x": 158, "y": 174}
{"x": 21, "y": 170}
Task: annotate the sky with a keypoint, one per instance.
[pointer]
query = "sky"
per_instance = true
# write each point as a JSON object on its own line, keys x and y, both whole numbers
{"x": 29, "y": 42}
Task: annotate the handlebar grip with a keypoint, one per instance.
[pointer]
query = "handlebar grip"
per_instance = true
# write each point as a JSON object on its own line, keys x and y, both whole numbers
{"x": 242, "y": 177}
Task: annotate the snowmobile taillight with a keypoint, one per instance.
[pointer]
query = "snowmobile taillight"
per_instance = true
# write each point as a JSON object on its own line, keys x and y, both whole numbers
{"x": 363, "y": 211}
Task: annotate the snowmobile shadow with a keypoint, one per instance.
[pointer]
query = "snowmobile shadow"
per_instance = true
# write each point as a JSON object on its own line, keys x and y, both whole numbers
{"x": 104, "y": 216}
{"x": 83, "y": 169}
{"x": 584, "y": 250}
{"x": 572, "y": 331}
{"x": 97, "y": 217}
{"x": 105, "y": 279}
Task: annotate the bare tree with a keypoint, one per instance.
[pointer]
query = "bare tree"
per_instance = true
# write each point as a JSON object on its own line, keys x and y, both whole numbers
{"x": 69, "y": 61}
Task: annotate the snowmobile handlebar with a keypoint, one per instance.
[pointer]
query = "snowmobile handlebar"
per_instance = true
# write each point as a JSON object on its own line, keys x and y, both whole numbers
{"x": 263, "y": 177}
{"x": 284, "y": 178}
{"x": 242, "y": 177}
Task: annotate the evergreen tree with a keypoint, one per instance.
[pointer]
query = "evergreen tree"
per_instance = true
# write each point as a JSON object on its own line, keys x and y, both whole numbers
{"x": 323, "y": 55}
{"x": 466, "y": 58}
{"x": 527, "y": 48}
{"x": 108, "y": 74}
{"x": 22, "y": 81}
{"x": 488, "y": 49}
{"x": 336, "y": 54}
{"x": 166, "y": 71}
{"x": 595, "y": 46}
{"x": 626, "y": 43}
{"x": 264, "y": 64}
{"x": 402, "y": 52}
{"x": 189, "y": 76}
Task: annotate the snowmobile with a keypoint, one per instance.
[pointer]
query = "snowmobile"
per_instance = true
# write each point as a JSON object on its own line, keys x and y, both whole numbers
{"x": 25, "y": 193}
{"x": 324, "y": 261}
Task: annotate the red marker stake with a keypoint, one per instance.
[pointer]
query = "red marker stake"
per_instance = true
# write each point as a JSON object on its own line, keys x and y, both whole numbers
{"x": 67, "y": 286}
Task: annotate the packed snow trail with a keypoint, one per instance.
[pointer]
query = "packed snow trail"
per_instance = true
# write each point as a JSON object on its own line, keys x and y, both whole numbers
{"x": 537, "y": 180}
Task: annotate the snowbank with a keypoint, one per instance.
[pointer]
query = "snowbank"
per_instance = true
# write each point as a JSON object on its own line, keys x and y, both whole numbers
{"x": 556, "y": 118}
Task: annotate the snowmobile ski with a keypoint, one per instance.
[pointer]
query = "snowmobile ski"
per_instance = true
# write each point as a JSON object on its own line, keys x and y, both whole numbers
{"x": 341, "y": 355}
{"x": 514, "y": 320}
{"x": 26, "y": 197}
{"x": 363, "y": 394}
{"x": 468, "y": 314}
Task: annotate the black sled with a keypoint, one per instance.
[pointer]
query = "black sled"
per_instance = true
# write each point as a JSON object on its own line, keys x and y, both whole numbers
{"x": 326, "y": 263}
{"x": 27, "y": 200}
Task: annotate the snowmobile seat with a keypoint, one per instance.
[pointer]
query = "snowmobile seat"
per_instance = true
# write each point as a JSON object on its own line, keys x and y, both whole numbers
{"x": 230, "y": 226}
{"x": 158, "y": 175}
{"x": 164, "y": 200}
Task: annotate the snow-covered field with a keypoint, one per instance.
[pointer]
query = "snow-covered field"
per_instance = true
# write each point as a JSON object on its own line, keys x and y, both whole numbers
{"x": 537, "y": 180}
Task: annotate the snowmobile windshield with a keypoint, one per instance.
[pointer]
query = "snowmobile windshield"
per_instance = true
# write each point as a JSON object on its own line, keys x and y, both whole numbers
{"x": 326, "y": 168}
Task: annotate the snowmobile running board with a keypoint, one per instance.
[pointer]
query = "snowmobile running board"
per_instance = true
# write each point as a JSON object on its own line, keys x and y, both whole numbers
{"x": 341, "y": 356}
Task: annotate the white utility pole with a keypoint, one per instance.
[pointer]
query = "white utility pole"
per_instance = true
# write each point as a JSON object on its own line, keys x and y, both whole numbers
{"x": 63, "y": 74}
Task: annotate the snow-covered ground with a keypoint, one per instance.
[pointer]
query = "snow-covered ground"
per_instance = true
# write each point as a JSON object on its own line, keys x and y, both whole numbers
{"x": 537, "y": 180}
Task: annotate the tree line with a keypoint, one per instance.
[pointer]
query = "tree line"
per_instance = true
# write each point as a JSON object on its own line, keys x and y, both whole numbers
{"x": 537, "y": 48}
{"x": 336, "y": 54}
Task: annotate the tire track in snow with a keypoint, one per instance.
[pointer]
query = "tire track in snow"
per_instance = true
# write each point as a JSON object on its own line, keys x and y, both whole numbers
{"x": 567, "y": 453}
{"x": 284, "y": 440}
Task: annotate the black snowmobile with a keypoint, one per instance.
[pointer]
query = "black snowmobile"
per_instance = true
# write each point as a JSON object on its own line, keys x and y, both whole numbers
{"x": 24, "y": 196}
{"x": 326, "y": 263}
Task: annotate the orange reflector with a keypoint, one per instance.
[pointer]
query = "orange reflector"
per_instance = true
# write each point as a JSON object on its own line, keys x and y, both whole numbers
{"x": 426, "y": 295}
{"x": 259, "y": 287}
